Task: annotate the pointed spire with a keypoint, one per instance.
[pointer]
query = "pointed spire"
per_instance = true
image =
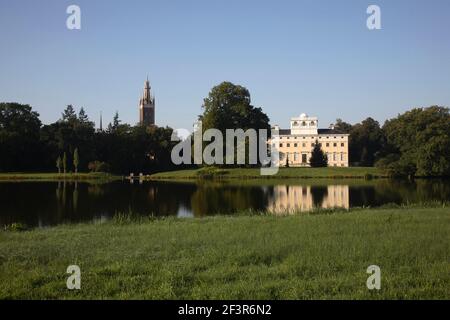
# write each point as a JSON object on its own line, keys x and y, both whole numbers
{"x": 101, "y": 122}
{"x": 146, "y": 97}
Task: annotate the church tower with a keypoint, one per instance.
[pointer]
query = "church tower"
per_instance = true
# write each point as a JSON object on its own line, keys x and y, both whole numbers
{"x": 147, "y": 107}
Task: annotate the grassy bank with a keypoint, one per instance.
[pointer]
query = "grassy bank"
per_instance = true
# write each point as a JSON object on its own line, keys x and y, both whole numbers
{"x": 233, "y": 173}
{"x": 251, "y": 257}
{"x": 283, "y": 173}
{"x": 21, "y": 176}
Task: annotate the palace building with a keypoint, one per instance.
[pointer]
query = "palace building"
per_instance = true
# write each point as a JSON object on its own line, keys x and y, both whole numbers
{"x": 147, "y": 107}
{"x": 296, "y": 144}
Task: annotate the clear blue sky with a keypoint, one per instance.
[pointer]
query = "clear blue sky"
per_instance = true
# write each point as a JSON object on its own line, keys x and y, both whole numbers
{"x": 296, "y": 56}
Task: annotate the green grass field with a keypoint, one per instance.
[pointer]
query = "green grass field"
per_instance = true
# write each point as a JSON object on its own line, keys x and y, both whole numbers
{"x": 234, "y": 173}
{"x": 284, "y": 173}
{"x": 306, "y": 256}
{"x": 22, "y": 176}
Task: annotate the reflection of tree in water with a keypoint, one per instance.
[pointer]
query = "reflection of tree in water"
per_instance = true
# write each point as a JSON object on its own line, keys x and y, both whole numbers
{"x": 50, "y": 203}
{"x": 437, "y": 190}
{"x": 395, "y": 191}
{"x": 384, "y": 191}
{"x": 105, "y": 200}
{"x": 75, "y": 197}
{"x": 60, "y": 201}
{"x": 318, "y": 195}
{"x": 362, "y": 195}
{"x": 379, "y": 192}
{"x": 67, "y": 202}
{"x": 96, "y": 189}
{"x": 150, "y": 198}
{"x": 214, "y": 198}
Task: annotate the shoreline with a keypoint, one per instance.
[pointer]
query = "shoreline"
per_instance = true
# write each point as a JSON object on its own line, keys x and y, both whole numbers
{"x": 214, "y": 173}
{"x": 42, "y": 176}
{"x": 217, "y": 174}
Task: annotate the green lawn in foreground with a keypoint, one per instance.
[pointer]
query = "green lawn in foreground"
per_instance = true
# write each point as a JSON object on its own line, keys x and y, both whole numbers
{"x": 307, "y": 256}
{"x": 13, "y": 176}
{"x": 249, "y": 173}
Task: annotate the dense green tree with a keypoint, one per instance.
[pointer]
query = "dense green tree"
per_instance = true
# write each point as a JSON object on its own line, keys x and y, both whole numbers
{"x": 25, "y": 145}
{"x": 342, "y": 126}
{"x": 68, "y": 133}
{"x": 318, "y": 157}
{"x": 365, "y": 142}
{"x": 228, "y": 106}
{"x": 76, "y": 160}
{"x": 83, "y": 117}
{"x": 115, "y": 125}
{"x": 69, "y": 114}
{"x": 116, "y": 121}
{"x": 64, "y": 162}
{"x": 418, "y": 143}
{"x": 20, "y": 147}
{"x": 98, "y": 166}
{"x": 59, "y": 164}
{"x": 135, "y": 149}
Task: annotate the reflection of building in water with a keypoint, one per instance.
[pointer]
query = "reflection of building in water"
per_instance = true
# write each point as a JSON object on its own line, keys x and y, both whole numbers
{"x": 337, "y": 197}
{"x": 304, "y": 198}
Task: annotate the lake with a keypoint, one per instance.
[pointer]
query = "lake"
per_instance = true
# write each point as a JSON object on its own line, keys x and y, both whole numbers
{"x": 40, "y": 204}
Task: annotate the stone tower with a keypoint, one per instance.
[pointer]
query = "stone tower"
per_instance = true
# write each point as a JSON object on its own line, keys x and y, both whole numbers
{"x": 147, "y": 107}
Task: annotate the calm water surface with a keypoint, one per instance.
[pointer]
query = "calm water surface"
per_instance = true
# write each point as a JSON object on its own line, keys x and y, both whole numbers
{"x": 51, "y": 203}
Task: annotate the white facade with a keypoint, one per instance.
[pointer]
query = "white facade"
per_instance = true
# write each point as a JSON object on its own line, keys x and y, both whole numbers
{"x": 295, "y": 144}
{"x": 304, "y": 125}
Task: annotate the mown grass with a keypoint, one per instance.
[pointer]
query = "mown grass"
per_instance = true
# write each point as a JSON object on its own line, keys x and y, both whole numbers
{"x": 308, "y": 256}
{"x": 283, "y": 173}
{"x": 23, "y": 176}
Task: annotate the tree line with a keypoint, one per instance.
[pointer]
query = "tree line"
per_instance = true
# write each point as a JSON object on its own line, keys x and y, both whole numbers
{"x": 72, "y": 143}
{"x": 415, "y": 143}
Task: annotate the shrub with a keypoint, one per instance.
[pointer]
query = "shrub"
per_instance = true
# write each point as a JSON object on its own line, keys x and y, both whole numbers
{"x": 98, "y": 166}
{"x": 16, "y": 227}
{"x": 211, "y": 172}
{"x": 368, "y": 176}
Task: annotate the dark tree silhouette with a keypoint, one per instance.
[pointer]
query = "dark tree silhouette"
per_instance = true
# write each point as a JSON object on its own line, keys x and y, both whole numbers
{"x": 318, "y": 157}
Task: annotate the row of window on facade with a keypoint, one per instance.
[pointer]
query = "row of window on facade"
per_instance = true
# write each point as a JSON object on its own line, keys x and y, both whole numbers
{"x": 312, "y": 123}
{"x": 313, "y": 137}
{"x": 294, "y": 157}
{"x": 312, "y": 145}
